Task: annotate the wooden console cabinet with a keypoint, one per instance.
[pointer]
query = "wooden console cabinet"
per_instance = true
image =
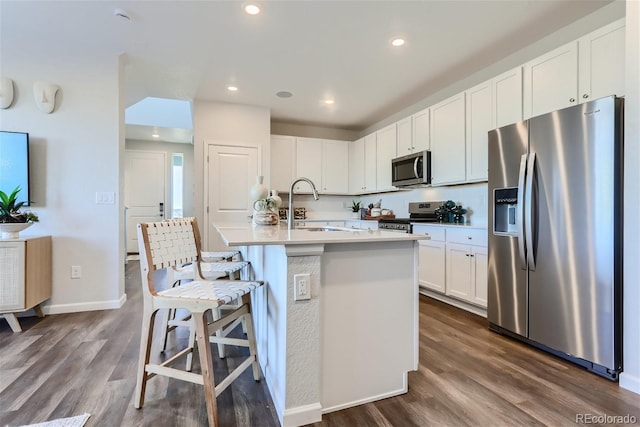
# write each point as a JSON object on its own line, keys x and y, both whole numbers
{"x": 25, "y": 276}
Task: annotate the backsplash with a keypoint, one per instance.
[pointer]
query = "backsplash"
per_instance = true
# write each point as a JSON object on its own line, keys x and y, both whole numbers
{"x": 472, "y": 197}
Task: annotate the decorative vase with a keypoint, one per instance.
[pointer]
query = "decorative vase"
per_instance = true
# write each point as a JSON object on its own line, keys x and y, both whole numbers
{"x": 11, "y": 230}
{"x": 356, "y": 215}
{"x": 276, "y": 198}
{"x": 258, "y": 191}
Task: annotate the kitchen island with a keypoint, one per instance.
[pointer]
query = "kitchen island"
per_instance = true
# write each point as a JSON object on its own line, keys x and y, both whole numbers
{"x": 355, "y": 339}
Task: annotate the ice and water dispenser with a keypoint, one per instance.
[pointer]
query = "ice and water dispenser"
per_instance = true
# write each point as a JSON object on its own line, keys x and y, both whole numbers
{"x": 504, "y": 211}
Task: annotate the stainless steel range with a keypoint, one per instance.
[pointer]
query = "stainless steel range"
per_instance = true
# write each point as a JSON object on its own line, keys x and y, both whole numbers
{"x": 418, "y": 212}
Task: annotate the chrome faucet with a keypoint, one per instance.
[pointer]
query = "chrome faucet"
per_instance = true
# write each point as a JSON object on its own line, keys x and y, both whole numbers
{"x": 290, "y": 222}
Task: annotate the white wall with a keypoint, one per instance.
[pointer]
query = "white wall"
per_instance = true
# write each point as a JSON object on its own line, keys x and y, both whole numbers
{"x": 172, "y": 148}
{"x": 75, "y": 152}
{"x": 630, "y": 378}
{"x": 230, "y": 124}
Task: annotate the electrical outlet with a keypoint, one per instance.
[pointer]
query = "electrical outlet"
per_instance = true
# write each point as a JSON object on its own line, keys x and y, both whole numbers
{"x": 301, "y": 287}
{"x": 76, "y": 272}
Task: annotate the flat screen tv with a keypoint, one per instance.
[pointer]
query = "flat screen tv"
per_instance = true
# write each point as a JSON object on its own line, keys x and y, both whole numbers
{"x": 14, "y": 164}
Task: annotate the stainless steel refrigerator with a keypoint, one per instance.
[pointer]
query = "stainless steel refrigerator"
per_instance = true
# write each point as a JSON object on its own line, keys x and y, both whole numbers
{"x": 555, "y": 233}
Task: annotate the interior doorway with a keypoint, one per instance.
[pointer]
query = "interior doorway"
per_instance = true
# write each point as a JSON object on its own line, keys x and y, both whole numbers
{"x": 144, "y": 192}
{"x": 231, "y": 172}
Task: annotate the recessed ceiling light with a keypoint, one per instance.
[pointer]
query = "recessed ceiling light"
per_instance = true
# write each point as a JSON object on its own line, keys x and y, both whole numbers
{"x": 155, "y": 135}
{"x": 397, "y": 42}
{"x": 284, "y": 94}
{"x": 252, "y": 8}
{"x": 232, "y": 88}
{"x": 329, "y": 101}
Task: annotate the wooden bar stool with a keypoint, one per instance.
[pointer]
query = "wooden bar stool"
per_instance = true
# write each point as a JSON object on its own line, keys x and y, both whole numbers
{"x": 173, "y": 243}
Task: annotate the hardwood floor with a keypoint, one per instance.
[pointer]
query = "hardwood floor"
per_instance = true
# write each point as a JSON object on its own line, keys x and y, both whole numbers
{"x": 69, "y": 364}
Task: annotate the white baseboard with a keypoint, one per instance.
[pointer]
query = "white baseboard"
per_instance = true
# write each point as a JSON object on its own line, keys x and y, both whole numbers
{"x": 454, "y": 302}
{"x": 302, "y": 415}
{"x": 630, "y": 382}
{"x": 84, "y": 306}
{"x": 404, "y": 389}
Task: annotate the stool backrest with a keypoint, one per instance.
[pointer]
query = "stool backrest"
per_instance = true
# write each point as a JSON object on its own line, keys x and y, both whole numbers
{"x": 166, "y": 244}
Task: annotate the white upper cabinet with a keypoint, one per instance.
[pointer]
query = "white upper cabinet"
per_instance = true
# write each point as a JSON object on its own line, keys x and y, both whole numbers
{"x": 370, "y": 163}
{"x": 386, "y": 151}
{"x": 309, "y": 165}
{"x": 602, "y": 62}
{"x": 362, "y": 165}
{"x": 283, "y": 162}
{"x": 448, "y": 141}
{"x": 589, "y": 68}
{"x": 335, "y": 167}
{"x": 325, "y": 162}
{"x": 413, "y": 133}
{"x": 420, "y": 130}
{"x": 479, "y": 121}
{"x": 356, "y": 166}
{"x": 507, "y": 98}
{"x": 551, "y": 81}
{"x": 404, "y": 129}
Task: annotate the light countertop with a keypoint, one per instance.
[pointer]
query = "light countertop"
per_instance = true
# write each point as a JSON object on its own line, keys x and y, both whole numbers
{"x": 248, "y": 235}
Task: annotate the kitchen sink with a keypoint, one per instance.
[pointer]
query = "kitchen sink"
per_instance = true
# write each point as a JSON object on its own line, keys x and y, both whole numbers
{"x": 327, "y": 228}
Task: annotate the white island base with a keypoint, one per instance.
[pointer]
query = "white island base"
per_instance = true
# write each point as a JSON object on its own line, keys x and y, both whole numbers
{"x": 355, "y": 340}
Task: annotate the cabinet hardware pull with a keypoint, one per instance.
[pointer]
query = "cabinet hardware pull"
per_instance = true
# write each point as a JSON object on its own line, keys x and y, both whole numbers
{"x": 469, "y": 238}
{"x": 585, "y": 96}
{"x": 572, "y": 100}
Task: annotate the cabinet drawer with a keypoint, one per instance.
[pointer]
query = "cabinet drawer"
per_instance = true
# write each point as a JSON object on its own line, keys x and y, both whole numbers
{"x": 436, "y": 233}
{"x": 467, "y": 236}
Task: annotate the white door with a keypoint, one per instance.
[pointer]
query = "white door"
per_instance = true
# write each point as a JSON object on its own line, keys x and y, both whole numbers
{"x": 144, "y": 191}
{"x": 231, "y": 172}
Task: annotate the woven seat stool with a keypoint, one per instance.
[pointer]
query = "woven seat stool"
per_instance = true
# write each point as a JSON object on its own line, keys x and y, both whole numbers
{"x": 164, "y": 245}
{"x": 210, "y": 271}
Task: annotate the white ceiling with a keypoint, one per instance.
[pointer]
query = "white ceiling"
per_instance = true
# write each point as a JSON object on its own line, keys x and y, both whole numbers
{"x": 315, "y": 49}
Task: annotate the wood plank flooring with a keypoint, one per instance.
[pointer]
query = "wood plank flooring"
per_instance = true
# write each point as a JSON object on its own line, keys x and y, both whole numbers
{"x": 68, "y": 364}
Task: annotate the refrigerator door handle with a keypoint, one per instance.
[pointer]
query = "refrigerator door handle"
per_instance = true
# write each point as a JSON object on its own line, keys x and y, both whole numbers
{"x": 520, "y": 211}
{"x": 529, "y": 210}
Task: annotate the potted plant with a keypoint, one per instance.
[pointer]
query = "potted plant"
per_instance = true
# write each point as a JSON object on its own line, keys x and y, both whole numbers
{"x": 12, "y": 221}
{"x": 355, "y": 208}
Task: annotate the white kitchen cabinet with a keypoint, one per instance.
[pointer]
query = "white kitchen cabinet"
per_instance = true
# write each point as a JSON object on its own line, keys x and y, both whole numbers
{"x": 589, "y": 68}
{"x": 283, "y": 162}
{"x": 325, "y": 162}
{"x": 370, "y": 163}
{"x": 356, "y": 166}
{"x": 386, "y": 139}
{"x": 448, "y": 143}
{"x": 25, "y": 276}
{"x": 507, "y": 98}
{"x": 420, "y": 130}
{"x": 551, "y": 81}
{"x": 466, "y": 258}
{"x": 479, "y": 121}
{"x": 404, "y": 130}
{"x": 309, "y": 165}
{"x": 431, "y": 257}
{"x": 602, "y": 62}
{"x": 362, "y": 165}
{"x": 335, "y": 167}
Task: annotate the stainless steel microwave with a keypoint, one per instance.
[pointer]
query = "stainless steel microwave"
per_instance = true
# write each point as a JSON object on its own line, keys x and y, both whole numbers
{"x": 413, "y": 169}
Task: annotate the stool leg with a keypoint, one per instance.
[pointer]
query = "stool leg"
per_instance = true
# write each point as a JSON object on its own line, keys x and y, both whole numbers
{"x": 251, "y": 337}
{"x": 148, "y": 317}
{"x": 216, "y": 315}
{"x": 206, "y": 363}
{"x": 192, "y": 342}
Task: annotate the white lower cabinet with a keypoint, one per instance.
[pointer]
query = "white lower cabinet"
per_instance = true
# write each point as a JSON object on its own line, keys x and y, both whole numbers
{"x": 467, "y": 265}
{"x": 453, "y": 263}
{"x": 431, "y": 253}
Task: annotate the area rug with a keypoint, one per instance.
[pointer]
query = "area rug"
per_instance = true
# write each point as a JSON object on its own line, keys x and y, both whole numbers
{"x": 77, "y": 421}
